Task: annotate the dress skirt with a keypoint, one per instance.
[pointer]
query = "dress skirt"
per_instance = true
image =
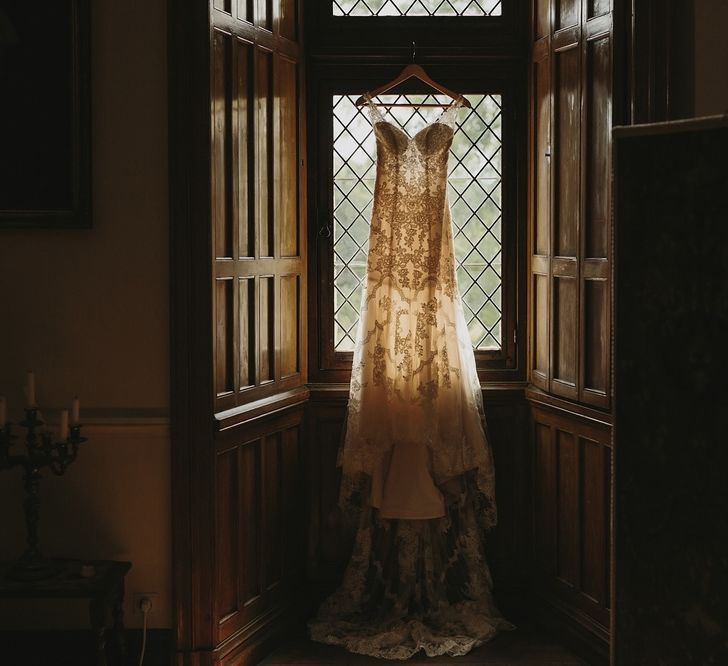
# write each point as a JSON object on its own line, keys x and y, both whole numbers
{"x": 415, "y": 585}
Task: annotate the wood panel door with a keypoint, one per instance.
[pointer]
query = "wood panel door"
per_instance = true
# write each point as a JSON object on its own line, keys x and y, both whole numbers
{"x": 256, "y": 200}
{"x": 574, "y": 75}
{"x": 572, "y": 81}
{"x": 239, "y": 362}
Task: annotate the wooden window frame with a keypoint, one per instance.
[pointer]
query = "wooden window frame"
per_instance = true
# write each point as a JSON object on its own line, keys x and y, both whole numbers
{"x": 497, "y": 35}
{"x": 489, "y": 59}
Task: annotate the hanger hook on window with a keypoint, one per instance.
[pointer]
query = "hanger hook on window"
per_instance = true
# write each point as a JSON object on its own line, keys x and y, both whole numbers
{"x": 414, "y": 50}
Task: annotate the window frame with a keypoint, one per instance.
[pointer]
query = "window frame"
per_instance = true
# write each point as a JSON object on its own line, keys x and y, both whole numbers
{"x": 411, "y": 3}
{"x": 486, "y": 34}
{"x": 361, "y": 66}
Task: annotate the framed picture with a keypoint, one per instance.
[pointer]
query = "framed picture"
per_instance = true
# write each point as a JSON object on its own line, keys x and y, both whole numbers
{"x": 45, "y": 114}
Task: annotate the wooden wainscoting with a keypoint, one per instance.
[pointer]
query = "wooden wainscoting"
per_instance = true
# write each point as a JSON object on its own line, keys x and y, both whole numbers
{"x": 328, "y": 545}
{"x": 259, "y": 530}
{"x": 509, "y": 552}
{"x": 572, "y": 458}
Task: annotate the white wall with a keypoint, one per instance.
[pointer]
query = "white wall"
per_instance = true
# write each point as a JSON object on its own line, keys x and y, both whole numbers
{"x": 87, "y": 310}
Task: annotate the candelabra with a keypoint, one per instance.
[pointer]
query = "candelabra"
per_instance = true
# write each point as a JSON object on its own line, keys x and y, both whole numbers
{"x": 41, "y": 452}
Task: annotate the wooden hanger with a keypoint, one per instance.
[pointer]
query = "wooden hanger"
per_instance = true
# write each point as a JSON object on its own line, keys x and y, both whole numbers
{"x": 413, "y": 70}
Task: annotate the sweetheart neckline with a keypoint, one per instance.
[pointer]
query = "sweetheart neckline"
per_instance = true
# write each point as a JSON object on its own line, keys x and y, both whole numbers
{"x": 383, "y": 121}
{"x": 437, "y": 121}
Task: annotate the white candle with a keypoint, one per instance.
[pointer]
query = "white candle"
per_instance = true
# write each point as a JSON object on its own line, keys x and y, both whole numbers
{"x": 30, "y": 390}
{"x": 64, "y": 425}
{"x": 3, "y": 413}
{"x": 75, "y": 411}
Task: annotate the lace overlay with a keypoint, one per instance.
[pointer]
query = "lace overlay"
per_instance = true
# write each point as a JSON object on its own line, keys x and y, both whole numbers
{"x": 414, "y": 584}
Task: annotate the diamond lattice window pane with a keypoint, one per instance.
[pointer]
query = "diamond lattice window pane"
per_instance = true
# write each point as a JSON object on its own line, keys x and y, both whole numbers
{"x": 475, "y": 199}
{"x": 416, "y": 7}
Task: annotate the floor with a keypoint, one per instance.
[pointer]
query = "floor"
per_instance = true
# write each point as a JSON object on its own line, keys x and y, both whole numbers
{"x": 522, "y": 647}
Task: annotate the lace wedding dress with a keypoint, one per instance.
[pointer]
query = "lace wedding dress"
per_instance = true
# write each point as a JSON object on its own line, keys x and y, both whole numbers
{"x": 417, "y": 470}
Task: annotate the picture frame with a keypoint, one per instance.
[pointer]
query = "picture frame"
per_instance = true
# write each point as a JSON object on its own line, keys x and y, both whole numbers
{"x": 45, "y": 117}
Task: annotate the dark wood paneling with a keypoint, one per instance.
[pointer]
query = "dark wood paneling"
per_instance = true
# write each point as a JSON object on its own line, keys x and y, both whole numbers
{"x": 287, "y": 177}
{"x": 597, "y": 145}
{"x": 243, "y": 148}
{"x": 546, "y": 496}
{"x": 263, "y": 125}
{"x": 288, "y": 19}
{"x": 661, "y": 63}
{"x": 245, "y": 10}
{"x": 251, "y": 499}
{"x": 259, "y": 513}
{"x": 264, "y": 13}
{"x": 594, "y": 359}
{"x": 292, "y": 492}
{"x": 567, "y": 12}
{"x": 594, "y": 491}
{"x": 510, "y": 541}
{"x": 221, "y": 145}
{"x": 328, "y": 544}
{"x": 542, "y": 155}
{"x": 246, "y": 329}
{"x": 272, "y": 473}
{"x": 237, "y": 150}
{"x": 542, "y": 18}
{"x": 567, "y": 129}
{"x": 255, "y": 148}
{"x": 565, "y": 326}
{"x": 598, "y": 7}
{"x": 568, "y": 508}
{"x": 576, "y": 257}
{"x": 266, "y": 328}
{"x": 596, "y": 341}
{"x": 566, "y": 216}
{"x": 572, "y": 459}
{"x": 224, "y": 313}
{"x": 227, "y": 529}
{"x": 540, "y": 315}
{"x": 671, "y": 307}
{"x": 290, "y": 325}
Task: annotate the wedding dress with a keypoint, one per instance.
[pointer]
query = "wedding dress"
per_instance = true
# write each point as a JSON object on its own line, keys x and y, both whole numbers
{"x": 417, "y": 469}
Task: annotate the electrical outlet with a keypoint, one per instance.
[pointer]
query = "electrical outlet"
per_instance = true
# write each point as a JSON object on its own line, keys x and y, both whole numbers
{"x": 137, "y": 602}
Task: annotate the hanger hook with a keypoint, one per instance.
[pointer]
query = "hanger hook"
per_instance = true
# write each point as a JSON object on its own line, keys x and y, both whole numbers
{"x": 414, "y": 50}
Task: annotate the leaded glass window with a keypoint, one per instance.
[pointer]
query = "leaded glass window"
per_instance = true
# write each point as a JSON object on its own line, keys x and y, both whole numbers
{"x": 475, "y": 190}
{"x": 417, "y": 7}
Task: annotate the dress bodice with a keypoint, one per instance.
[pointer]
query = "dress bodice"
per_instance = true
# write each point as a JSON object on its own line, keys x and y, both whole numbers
{"x": 410, "y": 200}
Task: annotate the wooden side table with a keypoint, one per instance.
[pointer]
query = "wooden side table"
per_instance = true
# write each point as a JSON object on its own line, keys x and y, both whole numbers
{"x": 103, "y": 586}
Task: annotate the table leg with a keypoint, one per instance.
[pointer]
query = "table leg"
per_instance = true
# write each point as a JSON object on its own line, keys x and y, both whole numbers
{"x": 117, "y": 613}
{"x": 98, "y": 624}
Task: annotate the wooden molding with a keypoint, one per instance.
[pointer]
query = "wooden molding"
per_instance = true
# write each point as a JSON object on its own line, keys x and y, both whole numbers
{"x": 265, "y": 407}
{"x": 567, "y": 407}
